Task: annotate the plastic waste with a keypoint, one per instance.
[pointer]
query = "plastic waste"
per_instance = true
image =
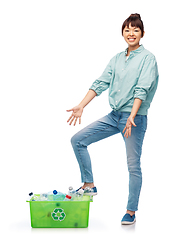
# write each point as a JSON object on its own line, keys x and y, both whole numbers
{"x": 67, "y": 197}
{"x": 33, "y": 197}
{"x": 43, "y": 197}
{"x": 30, "y": 196}
{"x": 54, "y": 195}
{"x": 79, "y": 195}
{"x": 58, "y": 196}
{"x": 80, "y": 192}
{"x": 71, "y": 191}
{"x": 51, "y": 196}
{"x": 76, "y": 195}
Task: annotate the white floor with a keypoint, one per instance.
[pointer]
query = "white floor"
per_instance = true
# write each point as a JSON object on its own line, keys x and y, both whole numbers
{"x": 159, "y": 223}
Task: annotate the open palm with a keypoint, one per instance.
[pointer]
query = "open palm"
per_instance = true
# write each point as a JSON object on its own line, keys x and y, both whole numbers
{"x": 76, "y": 113}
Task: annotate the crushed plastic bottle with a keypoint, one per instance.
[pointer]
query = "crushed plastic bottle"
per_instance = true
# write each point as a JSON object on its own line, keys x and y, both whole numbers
{"x": 55, "y": 196}
{"x": 58, "y": 196}
{"x": 76, "y": 195}
{"x": 43, "y": 197}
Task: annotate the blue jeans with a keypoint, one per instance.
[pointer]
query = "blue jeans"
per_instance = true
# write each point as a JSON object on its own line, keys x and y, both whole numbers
{"x": 107, "y": 126}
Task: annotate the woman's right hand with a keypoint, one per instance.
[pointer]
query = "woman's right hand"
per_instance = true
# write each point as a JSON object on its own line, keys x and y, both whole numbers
{"x": 76, "y": 113}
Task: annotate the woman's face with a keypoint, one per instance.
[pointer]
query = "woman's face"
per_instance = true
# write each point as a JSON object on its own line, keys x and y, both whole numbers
{"x": 132, "y": 36}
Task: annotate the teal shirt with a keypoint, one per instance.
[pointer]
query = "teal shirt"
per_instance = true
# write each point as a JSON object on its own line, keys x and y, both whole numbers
{"x": 136, "y": 77}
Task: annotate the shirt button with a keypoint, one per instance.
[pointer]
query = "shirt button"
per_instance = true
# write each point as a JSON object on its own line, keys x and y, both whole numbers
{"x": 118, "y": 90}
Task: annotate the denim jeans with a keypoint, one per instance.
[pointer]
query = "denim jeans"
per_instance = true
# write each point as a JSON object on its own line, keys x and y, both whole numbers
{"x": 107, "y": 126}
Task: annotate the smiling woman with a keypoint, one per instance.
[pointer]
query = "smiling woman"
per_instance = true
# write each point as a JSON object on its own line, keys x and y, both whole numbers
{"x": 133, "y": 31}
{"x": 131, "y": 77}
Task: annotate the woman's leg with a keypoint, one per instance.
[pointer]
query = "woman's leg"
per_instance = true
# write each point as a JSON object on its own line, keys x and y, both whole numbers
{"x": 96, "y": 131}
{"x": 134, "y": 150}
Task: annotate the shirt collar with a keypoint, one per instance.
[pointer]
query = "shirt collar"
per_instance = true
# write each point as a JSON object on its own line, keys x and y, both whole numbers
{"x": 138, "y": 50}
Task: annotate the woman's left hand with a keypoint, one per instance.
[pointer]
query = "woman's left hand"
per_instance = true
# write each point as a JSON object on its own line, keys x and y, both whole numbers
{"x": 127, "y": 129}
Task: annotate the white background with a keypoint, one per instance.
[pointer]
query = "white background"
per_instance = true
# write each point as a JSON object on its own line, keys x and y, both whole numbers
{"x": 50, "y": 53}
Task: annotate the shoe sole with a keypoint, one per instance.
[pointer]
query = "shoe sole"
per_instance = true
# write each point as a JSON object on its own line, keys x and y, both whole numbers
{"x": 128, "y": 223}
{"x": 90, "y": 194}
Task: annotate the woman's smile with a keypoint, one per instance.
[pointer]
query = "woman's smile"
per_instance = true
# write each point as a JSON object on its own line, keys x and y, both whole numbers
{"x": 131, "y": 39}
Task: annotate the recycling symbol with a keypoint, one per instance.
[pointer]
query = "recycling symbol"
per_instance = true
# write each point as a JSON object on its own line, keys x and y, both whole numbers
{"x": 58, "y": 214}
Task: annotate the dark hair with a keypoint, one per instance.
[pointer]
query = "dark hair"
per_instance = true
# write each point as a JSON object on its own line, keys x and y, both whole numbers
{"x": 135, "y": 21}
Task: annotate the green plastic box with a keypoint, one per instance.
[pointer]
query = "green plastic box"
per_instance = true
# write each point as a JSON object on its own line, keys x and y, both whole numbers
{"x": 60, "y": 214}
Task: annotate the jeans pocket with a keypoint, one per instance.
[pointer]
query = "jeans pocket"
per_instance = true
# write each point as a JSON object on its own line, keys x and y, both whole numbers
{"x": 141, "y": 122}
{"x": 138, "y": 119}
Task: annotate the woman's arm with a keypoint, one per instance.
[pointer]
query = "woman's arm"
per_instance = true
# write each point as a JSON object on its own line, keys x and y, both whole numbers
{"x": 136, "y": 105}
{"x": 78, "y": 110}
{"x": 130, "y": 121}
{"x": 89, "y": 96}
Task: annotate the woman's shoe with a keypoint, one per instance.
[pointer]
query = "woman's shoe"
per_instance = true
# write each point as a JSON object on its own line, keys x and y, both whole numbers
{"x": 87, "y": 191}
{"x": 128, "y": 219}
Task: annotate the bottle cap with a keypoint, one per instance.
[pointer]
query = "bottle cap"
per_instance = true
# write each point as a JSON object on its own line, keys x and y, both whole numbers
{"x": 67, "y": 196}
{"x": 55, "y": 192}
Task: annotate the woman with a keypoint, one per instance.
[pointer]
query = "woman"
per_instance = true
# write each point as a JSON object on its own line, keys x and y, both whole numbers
{"x": 132, "y": 78}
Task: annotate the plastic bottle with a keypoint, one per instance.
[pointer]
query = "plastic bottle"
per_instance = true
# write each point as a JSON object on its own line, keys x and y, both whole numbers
{"x": 79, "y": 194}
{"x": 67, "y": 197}
{"x": 54, "y": 195}
{"x": 43, "y": 197}
{"x": 30, "y": 196}
{"x": 76, "y": 195}
{"x": 71, "y": 191}
{"x": 33, "y": 197}
{"x": 58, "y": 196}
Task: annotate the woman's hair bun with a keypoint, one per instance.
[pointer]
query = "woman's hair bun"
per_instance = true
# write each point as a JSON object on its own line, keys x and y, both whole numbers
{"x": 135, "y": 15}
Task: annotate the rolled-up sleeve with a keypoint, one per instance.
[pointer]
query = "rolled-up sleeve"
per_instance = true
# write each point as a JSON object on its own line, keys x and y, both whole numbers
{"x": 99, "y": 87}
{"x": 103, "y": 82}
{"x": 147, "y": 79}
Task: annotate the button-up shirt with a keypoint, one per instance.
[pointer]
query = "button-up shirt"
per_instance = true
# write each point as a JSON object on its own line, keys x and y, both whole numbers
{"x": 129, "y": 78}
